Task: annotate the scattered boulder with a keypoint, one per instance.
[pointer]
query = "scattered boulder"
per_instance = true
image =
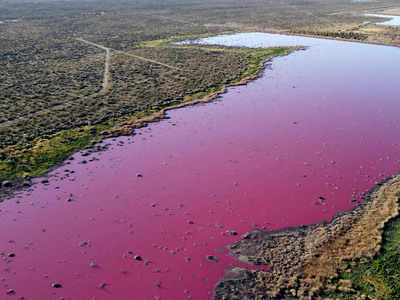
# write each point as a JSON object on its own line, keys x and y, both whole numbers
{"x": 10, "y": 292}
{"x": 6, "y": 184}
{"x": 56, "y": 285}
{"x": 83, "y": 244}
{"x": 212, "y": 258}
{"x": 102, "y": 286}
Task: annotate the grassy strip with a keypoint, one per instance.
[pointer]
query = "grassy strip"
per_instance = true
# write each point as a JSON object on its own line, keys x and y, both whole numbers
{"x": 39, "y": 156}
{"x": 43, "y": 154}
{"x": 256, "y": 60}
{"x": 377, "y": 278}
{"x": 176, "y": 38}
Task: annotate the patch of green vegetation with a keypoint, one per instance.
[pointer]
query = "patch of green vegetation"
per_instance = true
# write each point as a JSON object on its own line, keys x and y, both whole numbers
{"x": 377, "y": 278}
{"x": 258, "y": 56}
{"x": 254, "y": 60}
{"x": 44, "y": 153}
{"x": 175, "y": 38}
{"x": 36, "y": 160}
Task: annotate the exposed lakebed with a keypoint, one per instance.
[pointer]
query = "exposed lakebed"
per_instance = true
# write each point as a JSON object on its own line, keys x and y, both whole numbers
{"x": 296, "y": 146}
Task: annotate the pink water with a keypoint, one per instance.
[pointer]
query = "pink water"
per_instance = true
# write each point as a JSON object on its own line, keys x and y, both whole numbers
{"x": 322, "y": 123}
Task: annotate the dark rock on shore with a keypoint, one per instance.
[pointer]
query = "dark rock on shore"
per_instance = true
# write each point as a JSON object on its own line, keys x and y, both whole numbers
{"x": 241, "y": 284}
{"x": 6, "y": 184}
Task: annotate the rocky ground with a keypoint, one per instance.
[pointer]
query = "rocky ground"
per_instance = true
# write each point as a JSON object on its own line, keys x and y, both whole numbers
{"x": 305, "y": 261}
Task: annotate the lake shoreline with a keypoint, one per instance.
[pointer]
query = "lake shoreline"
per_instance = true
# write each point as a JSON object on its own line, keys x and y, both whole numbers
{"x": 325, "y": 38}
{"x": 19, "y": 185}
{"x": 300, "y": 172}
{"x": 304, "y": 260}
{"x": 15, "y": 186}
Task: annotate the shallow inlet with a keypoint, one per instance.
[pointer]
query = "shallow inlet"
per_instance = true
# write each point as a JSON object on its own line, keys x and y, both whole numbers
{"x": 393, "y": 20}
{"x": 320, "y": 123}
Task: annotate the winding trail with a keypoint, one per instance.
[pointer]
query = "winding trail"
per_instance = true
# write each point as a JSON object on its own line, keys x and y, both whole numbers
{"x": 106, "y": 80}
{"x": 108, "y": 50}
{"x": 147, "y": 60}
{"x": 106, "y": 75}
{"x": 105, "y": 86}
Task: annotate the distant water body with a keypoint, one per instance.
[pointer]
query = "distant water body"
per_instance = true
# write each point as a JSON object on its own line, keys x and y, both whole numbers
{"x": 394, "y": 20}
{"x": 9, "y": 21}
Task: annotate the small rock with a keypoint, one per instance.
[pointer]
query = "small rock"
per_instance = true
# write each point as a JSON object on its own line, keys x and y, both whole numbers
{"x": 6, "y": 183}
{"x": 56, "y": 285}
{"x": 138, "y": 257}
{"x": 11, "y": 254}
{"x": 212, "y": 258}
{"x": 102, "y": 285}
{"x": 233, "y": 233}
{"x": 139, "y": 175}
{"x": 10, "y": 292}
{"x": 26, "y": 183}
{"x": 246, "y": 236}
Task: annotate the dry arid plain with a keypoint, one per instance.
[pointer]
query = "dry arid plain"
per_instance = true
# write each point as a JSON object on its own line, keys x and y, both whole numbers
{"x": 76, "y": 73}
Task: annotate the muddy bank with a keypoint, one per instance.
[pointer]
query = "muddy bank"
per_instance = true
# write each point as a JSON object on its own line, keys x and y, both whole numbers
{"x": 303, "y": 261}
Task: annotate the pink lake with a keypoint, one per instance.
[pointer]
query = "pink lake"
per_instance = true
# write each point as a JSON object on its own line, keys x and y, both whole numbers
{"x": 320, "y": 123}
